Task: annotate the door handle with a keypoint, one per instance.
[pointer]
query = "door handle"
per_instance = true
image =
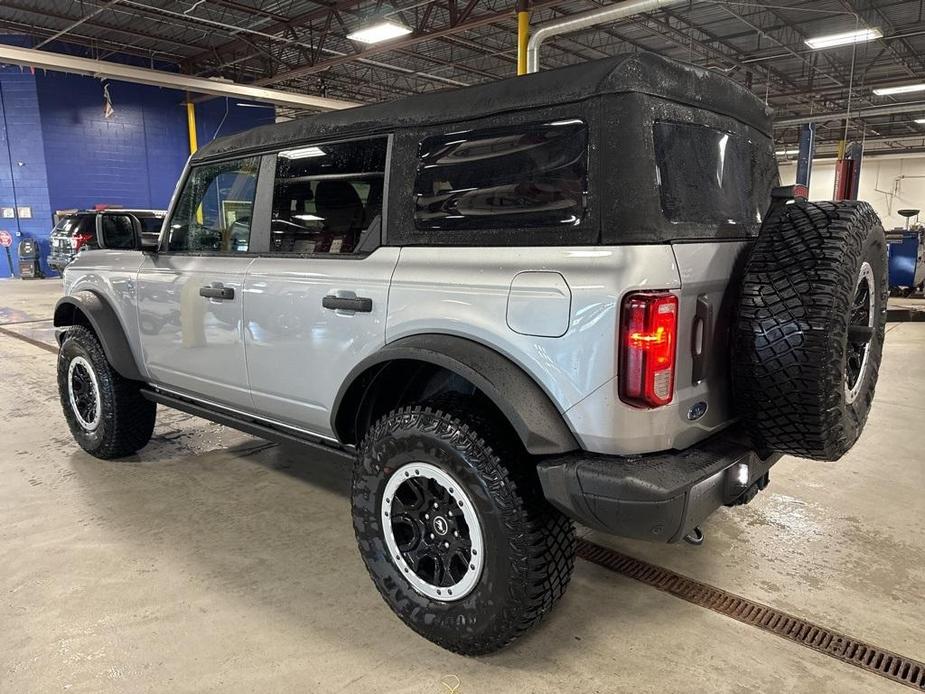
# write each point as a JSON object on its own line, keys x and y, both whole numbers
{"x": 217, "y": 291}
{"x": 361, "y": 304}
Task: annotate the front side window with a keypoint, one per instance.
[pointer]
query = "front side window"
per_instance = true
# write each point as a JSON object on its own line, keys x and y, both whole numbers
{"x": 214, "y": 211}
{"x": 522, "y": 176}
{"x": 327, "y": 198}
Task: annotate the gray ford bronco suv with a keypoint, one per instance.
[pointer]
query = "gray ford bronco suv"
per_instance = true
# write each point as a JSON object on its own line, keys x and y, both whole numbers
{"x": 575, "y": 295}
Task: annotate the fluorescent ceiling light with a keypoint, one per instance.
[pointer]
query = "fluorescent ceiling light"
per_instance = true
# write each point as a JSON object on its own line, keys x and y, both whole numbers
{"x": 786, "y": 152}
{"x": 303, "y": 153}
{"x": 905, "y": 89}
{"x": 920, "y": 121}
{"x": 378, "y": 32}
{"x": 845, "y": 39}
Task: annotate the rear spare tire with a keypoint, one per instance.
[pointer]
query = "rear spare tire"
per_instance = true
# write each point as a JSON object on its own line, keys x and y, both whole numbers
{"x": 810, "y": 327}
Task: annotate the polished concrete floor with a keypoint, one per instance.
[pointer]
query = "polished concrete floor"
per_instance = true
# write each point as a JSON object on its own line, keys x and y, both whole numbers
{"x": 214, "y": 561}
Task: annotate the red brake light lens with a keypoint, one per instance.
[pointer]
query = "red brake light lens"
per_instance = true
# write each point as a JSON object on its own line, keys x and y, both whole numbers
{"x": 81, "y": 240}
{"x": 648, "y": 337}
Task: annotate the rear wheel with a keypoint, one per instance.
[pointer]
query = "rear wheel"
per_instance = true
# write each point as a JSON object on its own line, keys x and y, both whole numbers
{"x": 810, "y": 329}
{"x": 105, "y": 412}
{"x": 454, "y": 530}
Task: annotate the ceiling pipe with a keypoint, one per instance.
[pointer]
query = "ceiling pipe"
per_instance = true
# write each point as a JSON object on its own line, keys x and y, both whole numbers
{"x": 159, "y": 78}
{"x": 906, "y": 107}
{"x": 584, "y": 20}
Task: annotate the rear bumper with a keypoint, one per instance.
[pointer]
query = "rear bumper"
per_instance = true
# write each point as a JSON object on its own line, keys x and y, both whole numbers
{"x": 660, "y": 496}
{"x": 59, "y": 261}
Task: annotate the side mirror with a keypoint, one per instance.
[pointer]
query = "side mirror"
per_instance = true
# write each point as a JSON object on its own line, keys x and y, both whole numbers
{"x": 120, "y": 231}
{"x": 150, "y": 242}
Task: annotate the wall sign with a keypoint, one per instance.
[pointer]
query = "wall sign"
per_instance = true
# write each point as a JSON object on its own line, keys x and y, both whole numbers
{"x": 7, "y": 212}
{"x": 25, "y": 213}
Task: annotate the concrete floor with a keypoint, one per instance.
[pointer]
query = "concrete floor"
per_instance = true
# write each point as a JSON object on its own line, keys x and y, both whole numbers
{"x": 214, "y": 561}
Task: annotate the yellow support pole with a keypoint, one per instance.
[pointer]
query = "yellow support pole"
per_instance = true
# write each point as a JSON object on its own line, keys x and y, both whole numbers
{"x": 191, "y": 126}
{"x": 523, "y": 35}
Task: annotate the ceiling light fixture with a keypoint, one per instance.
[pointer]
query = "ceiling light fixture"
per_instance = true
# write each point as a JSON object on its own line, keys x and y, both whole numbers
{"x": 379, "y": 31}
{"x": 845, "y": 39}
{"x": 904, "y": 89}
{"x": 920, "y": 121}
{"x": 786, "y": 152}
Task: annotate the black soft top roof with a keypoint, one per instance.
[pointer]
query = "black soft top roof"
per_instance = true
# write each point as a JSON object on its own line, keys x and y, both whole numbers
{"x": 646, "y": 73}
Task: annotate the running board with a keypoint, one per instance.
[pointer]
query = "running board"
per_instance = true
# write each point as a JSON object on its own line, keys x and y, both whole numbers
{"x": 248, "y": 425}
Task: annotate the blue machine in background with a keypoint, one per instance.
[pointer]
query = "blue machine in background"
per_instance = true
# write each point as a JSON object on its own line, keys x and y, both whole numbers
{"x": 907, "y": 265}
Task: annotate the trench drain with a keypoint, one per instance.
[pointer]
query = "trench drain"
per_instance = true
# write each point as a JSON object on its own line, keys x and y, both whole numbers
{"x": 840, "y": 646}
{"x": 847, "y": 649}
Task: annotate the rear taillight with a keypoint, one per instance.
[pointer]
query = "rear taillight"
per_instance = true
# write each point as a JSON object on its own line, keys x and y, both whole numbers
{"x": 649, "y": 327}
{"x": 81, "y": 240}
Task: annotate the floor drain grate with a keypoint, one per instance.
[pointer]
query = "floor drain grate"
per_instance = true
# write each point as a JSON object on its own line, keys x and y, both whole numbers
{"x": 837, "y": 645}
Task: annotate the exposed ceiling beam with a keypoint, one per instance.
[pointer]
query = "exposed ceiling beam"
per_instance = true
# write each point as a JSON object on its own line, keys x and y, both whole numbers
{"x": 159, "y": 78}
{"x": 411, "y": 40}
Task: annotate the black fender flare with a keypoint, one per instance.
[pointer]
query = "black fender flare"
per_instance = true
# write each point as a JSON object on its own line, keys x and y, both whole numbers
{"x": 105, "y": 323}
{"x": 532, "y": 414}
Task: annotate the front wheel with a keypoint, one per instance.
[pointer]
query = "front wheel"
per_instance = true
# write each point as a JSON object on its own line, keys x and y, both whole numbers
{"x": 105, "y": 412}
{"x": 454, "y": 530}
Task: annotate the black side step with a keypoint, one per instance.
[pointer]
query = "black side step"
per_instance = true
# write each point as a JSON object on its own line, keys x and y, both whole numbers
{"x": 248, "y": 425}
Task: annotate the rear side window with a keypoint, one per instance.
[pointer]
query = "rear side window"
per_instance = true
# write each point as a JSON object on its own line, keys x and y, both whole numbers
{"x": 523, "y": 176}
{"x": 327, "y": 198}
{"x": 214, "y": 211}
{"x": 705, "y": 175}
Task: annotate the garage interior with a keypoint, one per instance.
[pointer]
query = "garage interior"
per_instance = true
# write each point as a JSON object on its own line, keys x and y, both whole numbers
{"x": 217, "y": 561}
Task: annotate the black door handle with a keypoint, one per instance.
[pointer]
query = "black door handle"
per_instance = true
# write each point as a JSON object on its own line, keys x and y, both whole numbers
{"x": 217, "y": 291}
{"x": 361, "y": 304}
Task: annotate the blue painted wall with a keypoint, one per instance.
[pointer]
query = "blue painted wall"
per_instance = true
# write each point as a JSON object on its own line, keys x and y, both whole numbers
{"x": 58, "y": 151}
{"x": 23, "y": 181}
{"x": 132, "y": 159}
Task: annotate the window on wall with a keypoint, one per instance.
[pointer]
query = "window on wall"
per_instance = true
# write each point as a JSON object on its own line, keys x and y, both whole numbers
{"x": 327, "y": 198}
{"x": 215, "y": 208}
{"x": 522, "y": 176}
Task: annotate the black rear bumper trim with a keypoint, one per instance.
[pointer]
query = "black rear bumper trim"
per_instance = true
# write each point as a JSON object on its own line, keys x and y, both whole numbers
{"x": 659, "y": 497}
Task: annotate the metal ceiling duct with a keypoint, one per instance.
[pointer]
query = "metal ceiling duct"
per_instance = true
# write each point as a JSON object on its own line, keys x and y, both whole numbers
{"x": 159, "y": 78}
{"x": 906, "y": 107}
{"x": 584, "y": 20}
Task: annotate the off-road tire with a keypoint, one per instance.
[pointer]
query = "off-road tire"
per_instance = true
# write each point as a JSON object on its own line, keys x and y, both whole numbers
{"x": 790, "y": 346}
{"x": 529, "y": 546}
{"x": 126, "y": 418}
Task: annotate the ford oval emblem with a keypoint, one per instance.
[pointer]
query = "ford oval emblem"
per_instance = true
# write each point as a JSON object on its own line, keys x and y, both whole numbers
{"x": 698, "y": 410}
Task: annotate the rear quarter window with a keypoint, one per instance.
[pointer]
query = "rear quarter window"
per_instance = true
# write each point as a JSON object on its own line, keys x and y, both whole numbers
{"x": 520, "y": 176}
{"x": 705, "y": 175}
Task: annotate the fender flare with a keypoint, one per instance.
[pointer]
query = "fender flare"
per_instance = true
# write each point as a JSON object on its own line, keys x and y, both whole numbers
{"x": 537, "y": 421}
{"x": 105, "y": 323}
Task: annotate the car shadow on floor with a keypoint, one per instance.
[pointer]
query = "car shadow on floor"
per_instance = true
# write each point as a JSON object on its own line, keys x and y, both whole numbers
{"x": 233, "y": 517}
